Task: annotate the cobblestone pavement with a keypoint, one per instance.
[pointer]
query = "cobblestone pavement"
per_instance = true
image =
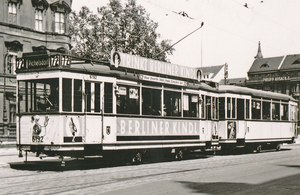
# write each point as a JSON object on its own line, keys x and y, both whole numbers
{"x": 90, "y": 176}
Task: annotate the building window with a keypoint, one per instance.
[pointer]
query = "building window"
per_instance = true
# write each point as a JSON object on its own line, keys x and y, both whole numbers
{"x": 11, "y": 64}
{"x": 12, "y": 12}
{"x": 12, "y": 113}
{"x": 59, "y": 22}
{"x": 39, "y": 20}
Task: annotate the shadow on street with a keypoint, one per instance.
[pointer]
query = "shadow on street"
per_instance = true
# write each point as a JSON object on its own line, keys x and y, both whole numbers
{"x": 286, "y": 185}
{"x": 90, "y": 163}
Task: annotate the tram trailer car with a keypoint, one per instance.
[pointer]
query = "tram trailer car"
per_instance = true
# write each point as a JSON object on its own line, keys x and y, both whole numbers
{"x": 130, "y": 106}
{"x": 255, "y": 119}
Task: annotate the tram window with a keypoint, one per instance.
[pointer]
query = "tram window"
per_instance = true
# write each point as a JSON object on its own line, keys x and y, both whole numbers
{"x": 222, "y": 108}
{"x": 108, "y": 97}
{"x": 97, "y": 97}
{"x": 88, "y": 96}
{"x": 203, "y": 107}
{"x": 256, "y": 109}
{"x": 67, "y": 95}
{"x": 233, "y": 107}
{"x": 247, "y": 109}
{"x": 266, "y": 110}
{"x": 240, "y": 109}
{"x": 128, "y": 100}
{"x": 228, "y": 107}
{"x": 151, "y": 104}
{"x": 214, "y": 108}
{"x": 293, "y": 113}
{"x": 275, "y": 111}
{"x": 38, "y": 95}
{"x": 208, "y": 107}
{"x": 284, "y": 111}
{"x": 190, "y": 105}
{"x": 172, "y": 101}
{"x": 77, "y": 96}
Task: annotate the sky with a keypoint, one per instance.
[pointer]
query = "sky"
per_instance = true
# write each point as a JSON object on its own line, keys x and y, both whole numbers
{"x": 231, "y": 30}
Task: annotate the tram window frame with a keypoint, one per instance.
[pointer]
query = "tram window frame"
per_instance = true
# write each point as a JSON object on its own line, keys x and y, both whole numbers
{"x": 190, "y": 105}
{"x": 173, "y": 103}
{"x": 240, "y": 108}
{"x": 88, "y": 96}
{"x": 293, "y": 113}
{"x": 108, "y": 97}
{"x": 39, "y": 95}
{"x": 151, "y": 101}
{"x": 128, "y": 100}
{"x": 203, "y": 106}
{"x": 247, "y": 110}
{"x": 284, "y": 113}
{"x": 97, "y": 100}
{"x": 256, "y": 109}
{"x": 222, "y": 110}
{"x": 67, "y": 86}
{"x": 266, "y": 110}
{"x": 231, "y": 107}
{"x": 208, "y": 105}
{"x": 214, "y": 108}
{"x": 276, "y": 111}
{"x": 77, "y": 94}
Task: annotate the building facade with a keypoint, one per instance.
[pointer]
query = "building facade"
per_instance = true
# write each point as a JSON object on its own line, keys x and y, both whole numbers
{"x": 279, "y": 74}
{"x": 27, "y": 26}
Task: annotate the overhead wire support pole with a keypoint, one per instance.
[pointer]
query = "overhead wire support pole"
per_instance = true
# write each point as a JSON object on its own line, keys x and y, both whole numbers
{"x": 202, "y": 23}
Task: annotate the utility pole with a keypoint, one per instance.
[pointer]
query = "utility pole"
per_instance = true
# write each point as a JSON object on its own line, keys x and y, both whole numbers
{"x": 225, "y": 73}
{"x": 5, "y": 119}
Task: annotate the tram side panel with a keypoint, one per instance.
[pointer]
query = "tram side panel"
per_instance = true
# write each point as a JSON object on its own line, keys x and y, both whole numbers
{"x": 127, "y": 133}
{"x": 40, "y": 130}
{"x": 271, "y": 131}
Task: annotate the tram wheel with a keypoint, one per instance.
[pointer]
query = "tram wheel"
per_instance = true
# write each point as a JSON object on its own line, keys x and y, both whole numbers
{"x": 179, "y": 154}
{"x": 258, "y": 149}
{"x": 278, "y": 147}
{"x": 137, "y": 158}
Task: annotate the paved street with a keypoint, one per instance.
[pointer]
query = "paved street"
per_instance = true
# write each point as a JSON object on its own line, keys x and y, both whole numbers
{"x": 268, "y": 172}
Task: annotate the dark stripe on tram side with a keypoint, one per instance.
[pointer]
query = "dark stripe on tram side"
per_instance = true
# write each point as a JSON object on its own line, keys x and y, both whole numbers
{"x": 153, "y": 138}
{"x": 70, "y": 139}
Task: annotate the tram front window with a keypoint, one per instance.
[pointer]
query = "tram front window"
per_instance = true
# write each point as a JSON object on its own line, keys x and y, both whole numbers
{"x": 38, "y": 95}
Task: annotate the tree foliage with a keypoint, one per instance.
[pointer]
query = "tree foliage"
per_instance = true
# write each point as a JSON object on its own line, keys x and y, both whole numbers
{"x": 125, "y": 28}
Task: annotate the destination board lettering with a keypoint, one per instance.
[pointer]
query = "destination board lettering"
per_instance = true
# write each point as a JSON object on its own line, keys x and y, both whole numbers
{"x": 145, "y": 64}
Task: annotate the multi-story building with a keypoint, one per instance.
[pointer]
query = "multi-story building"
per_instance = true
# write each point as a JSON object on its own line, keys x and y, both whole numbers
{"x": 26, "y": 26}
{"x": 278, "y": 74}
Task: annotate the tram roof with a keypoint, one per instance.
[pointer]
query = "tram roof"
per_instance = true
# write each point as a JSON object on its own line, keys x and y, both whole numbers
{"x": 254, "y": 92}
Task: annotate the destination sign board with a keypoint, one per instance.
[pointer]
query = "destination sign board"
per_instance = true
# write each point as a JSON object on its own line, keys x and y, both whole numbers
{"x": 134, "y": 62}
{"x": 43, "y": 61}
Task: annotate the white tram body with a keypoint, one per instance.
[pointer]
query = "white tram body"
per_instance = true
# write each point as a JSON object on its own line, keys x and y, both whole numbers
{"x": 73, "y": 107}
{"x": 255, "y": 119}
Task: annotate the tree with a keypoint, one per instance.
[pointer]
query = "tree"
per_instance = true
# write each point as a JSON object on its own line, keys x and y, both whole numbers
{"x": 125, "y": 28}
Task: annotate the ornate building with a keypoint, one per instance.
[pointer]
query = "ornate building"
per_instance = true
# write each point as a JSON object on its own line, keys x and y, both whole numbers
{"x": 26, "y": 26}
{"x": 278, "y": 74}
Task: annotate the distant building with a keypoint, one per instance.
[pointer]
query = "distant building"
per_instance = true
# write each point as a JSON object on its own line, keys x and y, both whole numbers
{"x": 213, "y": 73}
{"x": 278, "y": 74}
{"x": 26, "y": 26}
{"x": 234, "y": 81}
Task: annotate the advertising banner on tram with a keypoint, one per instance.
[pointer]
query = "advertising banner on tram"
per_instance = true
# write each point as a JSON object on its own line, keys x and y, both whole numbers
{"x": 143, "y": 126}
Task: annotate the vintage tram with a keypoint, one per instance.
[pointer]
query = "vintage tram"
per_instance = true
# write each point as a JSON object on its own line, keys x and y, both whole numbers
{"x": 255, "y": 119}
{"x": 128, "y": 107}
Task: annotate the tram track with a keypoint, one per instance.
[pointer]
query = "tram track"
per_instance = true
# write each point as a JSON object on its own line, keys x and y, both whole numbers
{"x": 129, "y": 175}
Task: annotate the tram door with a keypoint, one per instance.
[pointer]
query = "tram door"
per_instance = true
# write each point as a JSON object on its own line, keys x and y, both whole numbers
{"x": 93, "y": 116}
{"x": 241, "y": 122}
